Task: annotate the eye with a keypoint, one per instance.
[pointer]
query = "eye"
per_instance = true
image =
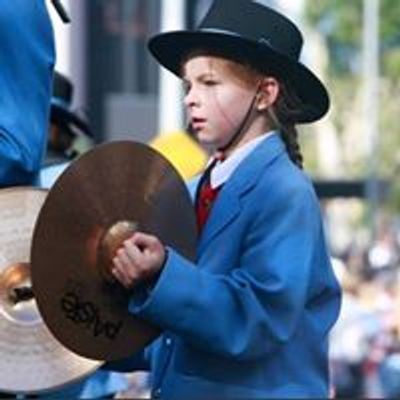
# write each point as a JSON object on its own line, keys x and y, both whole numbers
{"x": 210, "y": 82}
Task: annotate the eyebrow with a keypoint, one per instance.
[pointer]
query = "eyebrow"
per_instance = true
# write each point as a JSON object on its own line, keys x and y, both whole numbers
{"x": 208, "y": 74}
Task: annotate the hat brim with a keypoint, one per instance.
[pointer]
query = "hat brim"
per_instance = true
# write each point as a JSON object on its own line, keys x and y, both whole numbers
{"x": 171, "y": 48}
{"x": 61, "y": 114}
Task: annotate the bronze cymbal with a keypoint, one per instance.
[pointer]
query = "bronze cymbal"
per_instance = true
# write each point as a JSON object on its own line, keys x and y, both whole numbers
{"x": 31, "y": 359}
{"x": 96, "y": 203}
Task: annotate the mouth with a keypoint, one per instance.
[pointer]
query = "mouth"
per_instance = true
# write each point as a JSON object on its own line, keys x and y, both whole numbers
{"x": 198, "y": 123}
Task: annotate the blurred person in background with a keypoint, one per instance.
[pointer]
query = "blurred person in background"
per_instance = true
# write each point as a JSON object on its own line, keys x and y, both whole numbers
{"x": 69, "y": 134}
{"x": 350, "y": 337}
{"x": 384, "y": 253}
{"x": 365, "y": 342}
{"x": 26, "y": 69}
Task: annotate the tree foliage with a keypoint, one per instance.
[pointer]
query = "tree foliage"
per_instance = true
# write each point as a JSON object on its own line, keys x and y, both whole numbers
{"x": 340, "y": 23}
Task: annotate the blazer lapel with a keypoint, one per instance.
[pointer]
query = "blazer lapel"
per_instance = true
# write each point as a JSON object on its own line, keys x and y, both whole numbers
{"x": 227, "y": 205}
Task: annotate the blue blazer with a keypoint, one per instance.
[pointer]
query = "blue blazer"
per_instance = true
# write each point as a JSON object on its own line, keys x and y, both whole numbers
{"x": 251, "y": 318}
{"x": 26, "y": 66}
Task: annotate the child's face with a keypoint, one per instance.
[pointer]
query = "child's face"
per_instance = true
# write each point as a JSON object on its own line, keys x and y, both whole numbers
{"x": 218, "y": 95}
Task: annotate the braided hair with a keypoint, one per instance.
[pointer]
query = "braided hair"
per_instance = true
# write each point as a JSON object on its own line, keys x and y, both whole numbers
{"x": 284, "y": 114}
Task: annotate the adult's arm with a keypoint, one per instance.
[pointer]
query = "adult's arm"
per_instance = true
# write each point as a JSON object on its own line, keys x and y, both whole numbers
{"x": 26, "y": 68}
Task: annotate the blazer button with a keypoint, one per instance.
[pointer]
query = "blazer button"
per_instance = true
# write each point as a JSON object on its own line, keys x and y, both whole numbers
{"x": 168, "y": 341}
{"x": 157, "y": 393}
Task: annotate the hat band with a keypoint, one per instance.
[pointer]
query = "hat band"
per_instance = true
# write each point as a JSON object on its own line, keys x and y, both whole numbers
{"x": 262, "y": 40}
{"x": 222, "y": 31}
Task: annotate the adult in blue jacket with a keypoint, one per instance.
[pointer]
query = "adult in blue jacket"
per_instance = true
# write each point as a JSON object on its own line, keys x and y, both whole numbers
{"x": 250, "y": 318}
{"x": 26, "y": 65}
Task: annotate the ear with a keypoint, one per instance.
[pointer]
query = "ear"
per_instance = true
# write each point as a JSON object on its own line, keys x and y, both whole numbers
{"x": 268, "y": 93}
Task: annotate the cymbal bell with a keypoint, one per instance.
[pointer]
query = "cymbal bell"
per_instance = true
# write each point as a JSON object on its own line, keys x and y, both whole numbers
{"x": 99, "y": 201}
{"x": 31, "y": 359}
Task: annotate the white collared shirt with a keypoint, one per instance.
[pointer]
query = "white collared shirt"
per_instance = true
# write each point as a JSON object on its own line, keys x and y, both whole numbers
{"x": 223, "y": 170}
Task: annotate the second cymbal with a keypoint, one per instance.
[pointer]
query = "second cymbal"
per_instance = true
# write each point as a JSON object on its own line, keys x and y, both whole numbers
{"x": 31, "y": 359}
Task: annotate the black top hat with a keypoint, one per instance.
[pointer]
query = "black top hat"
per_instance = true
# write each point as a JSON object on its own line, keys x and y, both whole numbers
{"x": 247, "y": 30}
{"x": 61, "y": 102}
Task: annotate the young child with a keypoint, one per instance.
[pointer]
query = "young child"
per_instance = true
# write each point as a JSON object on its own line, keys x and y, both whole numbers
{"x": 251, "y": 317}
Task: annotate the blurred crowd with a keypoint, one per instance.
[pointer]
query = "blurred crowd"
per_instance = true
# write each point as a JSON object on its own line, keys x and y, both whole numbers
{"x": 365, "y": 342}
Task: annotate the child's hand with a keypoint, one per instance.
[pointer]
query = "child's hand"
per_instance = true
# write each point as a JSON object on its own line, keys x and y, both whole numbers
{"x": 139, "y": 259}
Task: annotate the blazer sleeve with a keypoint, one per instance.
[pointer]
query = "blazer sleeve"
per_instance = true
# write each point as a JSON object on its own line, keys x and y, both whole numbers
{"x": 255, "y": 308}
{"x": 27, "y": 59}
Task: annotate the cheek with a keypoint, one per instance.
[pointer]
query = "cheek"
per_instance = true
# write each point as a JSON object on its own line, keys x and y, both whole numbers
{"x": 230, "y": 110}
{"x": 220, "y": 115}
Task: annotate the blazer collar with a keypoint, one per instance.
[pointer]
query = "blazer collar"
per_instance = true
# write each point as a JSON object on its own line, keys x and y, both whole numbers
{"x": 245, "y": 177}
